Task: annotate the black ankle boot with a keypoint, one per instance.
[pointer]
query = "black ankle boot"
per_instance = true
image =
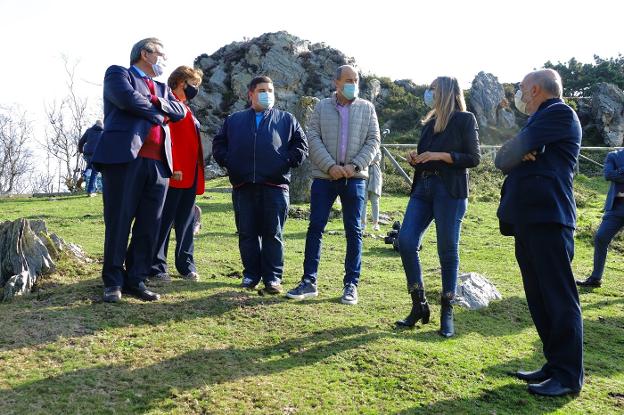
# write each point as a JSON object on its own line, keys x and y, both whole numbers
{"x": 420, "y": 310}
{"x": 447, "y": 328}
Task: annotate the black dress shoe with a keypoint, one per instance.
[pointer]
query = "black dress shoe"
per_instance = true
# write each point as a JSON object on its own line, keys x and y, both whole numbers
{"x": 552, "y": 387}
{"x": 112, "y": 294}
{"x": 141, "y": 292}
{"x": 589, "y": 282}
{"x": 535, "y": 376}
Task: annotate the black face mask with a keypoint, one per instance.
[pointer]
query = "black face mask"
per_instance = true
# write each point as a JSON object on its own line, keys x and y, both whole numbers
{"x": 190, "y": 91}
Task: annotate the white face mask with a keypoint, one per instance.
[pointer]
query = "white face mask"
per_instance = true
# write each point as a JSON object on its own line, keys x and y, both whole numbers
{"x": 159, "y": 67}
{"x": 520, "y": 104}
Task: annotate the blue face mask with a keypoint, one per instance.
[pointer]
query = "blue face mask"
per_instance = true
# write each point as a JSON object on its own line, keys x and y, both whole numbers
{"x": 266, "y": 100}
{"x": 429, "y": 97}
{"x": 350, "y": 91}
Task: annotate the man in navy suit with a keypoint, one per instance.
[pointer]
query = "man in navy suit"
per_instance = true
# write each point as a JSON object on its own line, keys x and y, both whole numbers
{"x": 537, "y": 207}
{"x": 613, "y": 219}
{"x": 134, "y": 156}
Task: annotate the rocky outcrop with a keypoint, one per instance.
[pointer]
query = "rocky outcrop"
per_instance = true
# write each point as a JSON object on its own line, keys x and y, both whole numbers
{"x": 607, "y": 108}
{"x": 23, "y": 258}
{"x": 301, "y": 177}
{"x": 297, "y": 67}
{"x": 488, "y": 102}
{"x": 28, "y": 251}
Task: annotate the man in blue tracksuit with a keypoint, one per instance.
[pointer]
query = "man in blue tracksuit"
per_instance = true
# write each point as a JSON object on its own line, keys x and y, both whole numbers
{"x": 259, "y": 146}
{"x": 537, "y": 207}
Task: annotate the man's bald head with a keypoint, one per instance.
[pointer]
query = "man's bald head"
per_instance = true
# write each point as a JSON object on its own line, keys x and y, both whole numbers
{"x": 548, "y": 80}
{"x": 539, "y": 86}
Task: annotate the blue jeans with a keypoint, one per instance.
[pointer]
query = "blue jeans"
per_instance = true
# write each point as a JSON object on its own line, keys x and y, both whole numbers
{"x": 261, "y": 211}
{"x": 92, "y": 176}
{"x": 612, "y": 222}
{"x": 323, "y": 193}
{"x": 431, "y": 201}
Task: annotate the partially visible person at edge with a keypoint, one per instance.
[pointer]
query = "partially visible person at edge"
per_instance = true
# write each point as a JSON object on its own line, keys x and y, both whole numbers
{"x": 344, "y": 137}
{"x": 185, "y": 183}
{"x": 537, "y": 208}
{"x": 86, "y": 145}
{"x": 134, "y": 156}
{"x": 448, "y": 147}
{"x": 258, "y": 147}
{"x": 373, "y": 190}
{"x": 613, "y": 218}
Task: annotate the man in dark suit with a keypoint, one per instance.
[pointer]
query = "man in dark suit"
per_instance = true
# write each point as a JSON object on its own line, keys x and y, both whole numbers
{"x": 537, "y": 207}
{"x": 134, "y": 156}
{"x": 613, "y": 219}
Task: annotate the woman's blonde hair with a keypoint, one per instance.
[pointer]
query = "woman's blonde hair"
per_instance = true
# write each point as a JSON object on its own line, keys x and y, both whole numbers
{"x": 448, "y": 98}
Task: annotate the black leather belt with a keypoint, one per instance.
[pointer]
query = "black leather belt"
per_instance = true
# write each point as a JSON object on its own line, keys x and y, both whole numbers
{"x": 428, "y": 173}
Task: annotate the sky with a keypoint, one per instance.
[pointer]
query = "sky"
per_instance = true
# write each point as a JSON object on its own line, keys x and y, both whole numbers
{"x": 399, "y": 39}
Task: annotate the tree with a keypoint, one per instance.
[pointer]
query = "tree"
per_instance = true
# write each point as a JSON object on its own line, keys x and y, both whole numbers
{"x": 15, "y": 155}
{"x": 67, "y": 119}
{"x": 578, "y": 78}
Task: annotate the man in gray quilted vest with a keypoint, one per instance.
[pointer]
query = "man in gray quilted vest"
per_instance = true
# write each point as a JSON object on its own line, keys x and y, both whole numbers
{"x": 343, "y": 137}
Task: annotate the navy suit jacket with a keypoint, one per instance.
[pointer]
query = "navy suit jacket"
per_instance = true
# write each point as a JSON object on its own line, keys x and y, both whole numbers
{"x": 129, "y": 115}
{"x": 262, "y": 154}
{"x": 614, "y": 172}
{"x": 541, "y": 191}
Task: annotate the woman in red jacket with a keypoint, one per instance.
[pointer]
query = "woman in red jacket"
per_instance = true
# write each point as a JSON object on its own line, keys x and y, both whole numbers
{"x": 186, "y": 182}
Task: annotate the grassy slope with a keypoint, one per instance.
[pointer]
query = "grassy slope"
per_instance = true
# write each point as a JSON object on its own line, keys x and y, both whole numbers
{"x": 210, "y": 347}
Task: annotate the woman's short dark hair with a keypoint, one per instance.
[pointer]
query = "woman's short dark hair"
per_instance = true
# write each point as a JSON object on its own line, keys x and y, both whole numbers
{"x": 185, "y": 73}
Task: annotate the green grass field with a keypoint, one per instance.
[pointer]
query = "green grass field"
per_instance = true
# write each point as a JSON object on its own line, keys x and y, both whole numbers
{"x": 212, "y": 348}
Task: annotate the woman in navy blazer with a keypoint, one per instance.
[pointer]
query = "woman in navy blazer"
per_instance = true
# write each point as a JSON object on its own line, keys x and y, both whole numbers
{"x": 449, "y": 145}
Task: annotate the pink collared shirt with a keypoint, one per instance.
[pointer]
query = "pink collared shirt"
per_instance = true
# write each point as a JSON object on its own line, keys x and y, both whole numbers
{"x": 343, "y": 110}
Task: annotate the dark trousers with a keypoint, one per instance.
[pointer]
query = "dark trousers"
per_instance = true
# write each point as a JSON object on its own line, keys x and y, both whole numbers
{"x": 323, "y": 194}
{"x": 261, "y": 211}
{"x": 177, "y": 213}
{"x": 612, "y": 222}
{"x": 133, "y": 191}
{"x": 544, "y": 253}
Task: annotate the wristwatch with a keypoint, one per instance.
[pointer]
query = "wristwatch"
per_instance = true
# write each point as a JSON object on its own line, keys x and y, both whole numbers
{"x": 356, "y": 167}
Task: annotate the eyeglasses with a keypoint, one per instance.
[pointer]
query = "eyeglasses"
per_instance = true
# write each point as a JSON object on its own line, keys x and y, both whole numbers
{"x": 157, "y": 53}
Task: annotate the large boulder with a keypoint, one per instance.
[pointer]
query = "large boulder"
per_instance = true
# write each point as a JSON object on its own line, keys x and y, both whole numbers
{"x": 297, "y": 67}
{"x": 301, "y": 177}
{"x": 23, "y": 258}
{"x": 27, "y": 252}
{"x": 488, "y": 102}
{"x": 607, "y": 104}
{"x": 474, "y": 291}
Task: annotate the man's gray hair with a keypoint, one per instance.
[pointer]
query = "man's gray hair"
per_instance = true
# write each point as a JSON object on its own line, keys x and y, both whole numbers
{"x": 149, "y": 44}
{"x": 549, "y": 80}
{"x": 338, "y": 73}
